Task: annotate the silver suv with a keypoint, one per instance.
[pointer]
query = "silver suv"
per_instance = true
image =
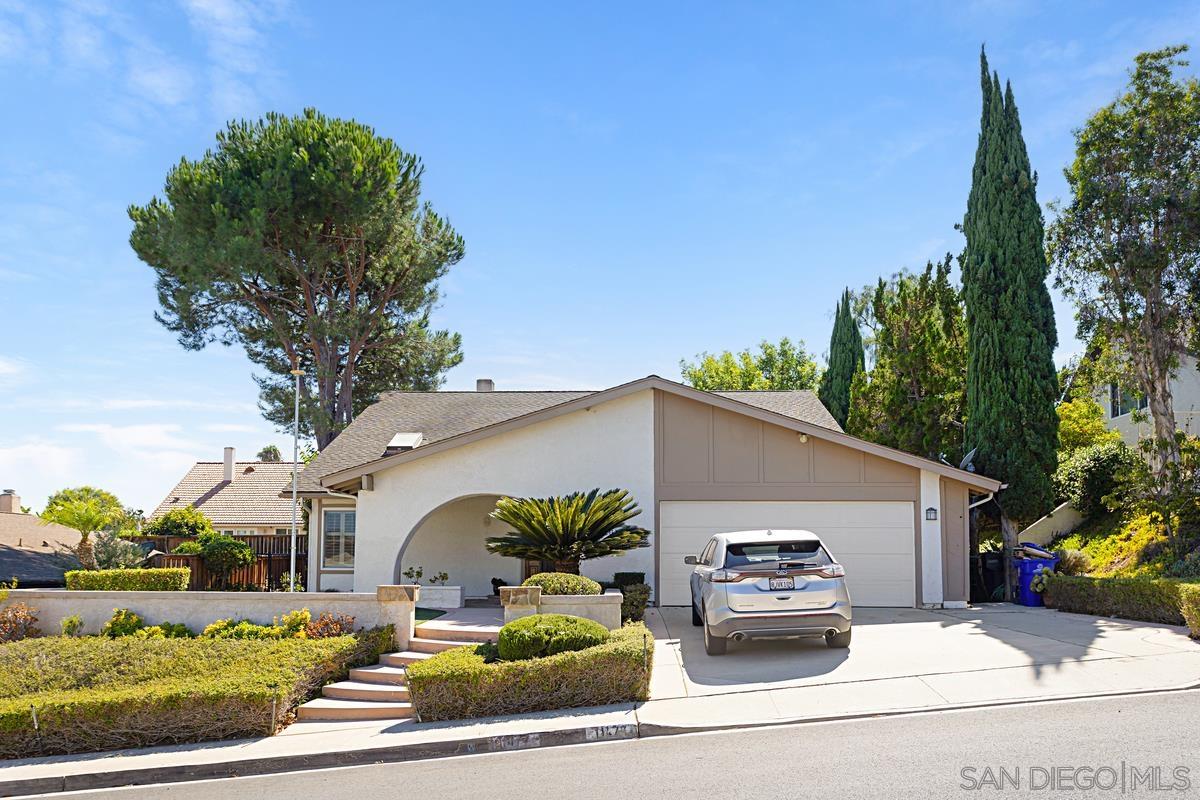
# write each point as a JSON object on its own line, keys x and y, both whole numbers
{"x": 768, "y": 585}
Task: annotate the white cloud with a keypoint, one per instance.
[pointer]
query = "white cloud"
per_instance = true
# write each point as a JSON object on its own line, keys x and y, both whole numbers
{"x": 231, "y": 427}
{"x": 233, "y": 35}
{"x": 144, "y": 439}
{"x": 154, "y": 77}
{"x": 12, "y": 371}
{"x": 35, "y": 465}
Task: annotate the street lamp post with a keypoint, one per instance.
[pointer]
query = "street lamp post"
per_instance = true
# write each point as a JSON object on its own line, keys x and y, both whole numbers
{"x": 295, "y": 480}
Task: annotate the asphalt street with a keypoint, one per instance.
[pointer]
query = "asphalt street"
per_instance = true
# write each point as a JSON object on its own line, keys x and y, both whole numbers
{"x": 1142, "y": 745}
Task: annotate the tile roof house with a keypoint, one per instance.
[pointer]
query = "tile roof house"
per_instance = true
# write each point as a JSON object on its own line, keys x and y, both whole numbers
{"x": 242, "y": 497}
{"x": 30, "y": 551}
{"x": 411, "y": 482}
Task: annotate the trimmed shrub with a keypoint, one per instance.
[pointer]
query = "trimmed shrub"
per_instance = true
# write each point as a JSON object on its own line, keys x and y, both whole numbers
{"x": 621, "y": 579}
{"x": 292, "y": 625}
{"x": 123, "y": 623}
{"x": 158, "y": 579}
{"x": 1145, "y": 599}
{"x": 186, "y": 521}
{"x": 462, "y": 682}
{"x": 1189, "y": 605}
{"x": 165, "y": 630}
{"x": 562, "y": 583}
{"x": 188, "y": 548}
{"x": 223, "y": 554}
{"x": 541, "y": 635}
{"x": 1091, "y": 473}
{"x": 93, "y": 693}
{"x": 634, "y": 597}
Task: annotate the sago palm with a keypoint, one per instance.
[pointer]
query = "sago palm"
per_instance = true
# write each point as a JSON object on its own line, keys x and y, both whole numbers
{"x": 85, "y": 516}
{"x": 570, "y": 529}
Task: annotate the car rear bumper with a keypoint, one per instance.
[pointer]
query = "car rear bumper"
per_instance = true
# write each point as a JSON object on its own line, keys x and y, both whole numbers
{"x": 782, "y": 624}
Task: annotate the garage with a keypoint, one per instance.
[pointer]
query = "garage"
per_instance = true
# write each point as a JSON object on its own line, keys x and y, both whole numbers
{"x": 875, "y": 541}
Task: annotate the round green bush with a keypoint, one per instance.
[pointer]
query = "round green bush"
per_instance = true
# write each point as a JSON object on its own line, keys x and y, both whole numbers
{"x": 186, "y": 521}
{"x": 1090, "y": 473}
{"x": 562, "y": 583}
{"x": 546, "y": 634}
{"x": 189, "y": 548}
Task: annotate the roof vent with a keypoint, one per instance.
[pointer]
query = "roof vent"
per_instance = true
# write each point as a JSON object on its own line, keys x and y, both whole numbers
{"x": 403, "y": 441}
{"x": 485, "y": 385}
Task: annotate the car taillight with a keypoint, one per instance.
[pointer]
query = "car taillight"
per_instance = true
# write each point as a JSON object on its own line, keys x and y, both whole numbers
{"x": 724, "y": 576}
{"x": 833, "y": 571}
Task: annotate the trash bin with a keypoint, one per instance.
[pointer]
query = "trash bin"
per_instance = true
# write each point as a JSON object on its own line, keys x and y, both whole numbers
{"x": 1024, "y": 568}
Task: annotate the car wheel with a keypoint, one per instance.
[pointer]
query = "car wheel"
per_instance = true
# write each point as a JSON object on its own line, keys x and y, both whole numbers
{"x": 838, "y": 639}
{"x": 697, "y": 620}
{"x": 713, "y": 645}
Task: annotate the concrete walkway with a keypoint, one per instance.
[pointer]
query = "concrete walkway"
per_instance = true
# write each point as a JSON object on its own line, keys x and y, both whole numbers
{"x": 901, "y": 660}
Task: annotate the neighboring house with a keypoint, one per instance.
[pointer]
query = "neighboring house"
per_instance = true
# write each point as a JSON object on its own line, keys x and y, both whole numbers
{"x": 412, "y": 480}
{"x": 31, "y": 552}
{"x": 241, "y": 498}
{"x": 1120, "y": 404}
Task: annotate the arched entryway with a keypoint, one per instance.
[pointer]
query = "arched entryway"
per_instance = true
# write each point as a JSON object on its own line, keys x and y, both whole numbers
{"x": 451, "y": 538}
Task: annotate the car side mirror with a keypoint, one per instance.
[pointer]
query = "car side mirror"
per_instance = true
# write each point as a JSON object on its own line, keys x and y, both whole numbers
{"x": 690, "y": 560}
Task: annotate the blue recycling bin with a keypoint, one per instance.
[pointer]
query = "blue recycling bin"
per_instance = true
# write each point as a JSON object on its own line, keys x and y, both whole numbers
{"x": 1024, "y": 569}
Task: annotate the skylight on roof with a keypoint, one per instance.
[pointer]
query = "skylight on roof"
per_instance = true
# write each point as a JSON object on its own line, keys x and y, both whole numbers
{"x": 405, "y": 441}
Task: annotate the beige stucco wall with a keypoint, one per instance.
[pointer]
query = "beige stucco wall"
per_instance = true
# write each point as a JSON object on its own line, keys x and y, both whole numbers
{"x": 1185, "y": 396}
{"x": 323, "y": 580}
{"x": 452, "y": 540}
{"x": 610, "y": 445}
{"x": 955, "y": 541}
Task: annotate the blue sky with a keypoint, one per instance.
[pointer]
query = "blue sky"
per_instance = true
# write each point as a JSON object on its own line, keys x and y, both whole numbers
{"x": 636, "y": 182}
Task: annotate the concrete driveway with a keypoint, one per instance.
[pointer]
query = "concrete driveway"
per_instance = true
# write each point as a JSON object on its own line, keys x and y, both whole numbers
{"x": 908, "y": 659}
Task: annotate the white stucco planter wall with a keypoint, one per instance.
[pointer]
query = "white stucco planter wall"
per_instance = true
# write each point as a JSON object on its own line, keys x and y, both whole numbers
{"x": 610, "y": 445}
{"x": 387, "y": 605}
{"x": 522, "y": 601}
{"x": 441, "y": 597}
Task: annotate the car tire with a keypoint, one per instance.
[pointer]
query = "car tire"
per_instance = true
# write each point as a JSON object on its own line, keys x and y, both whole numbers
{"x": 838, "y": 639}
{"x": 697, "y": 620}
{"x": 714, "y": 645}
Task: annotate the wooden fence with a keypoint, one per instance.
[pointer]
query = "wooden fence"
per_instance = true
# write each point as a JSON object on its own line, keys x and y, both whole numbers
{"x": 263, "y": 544}
{"x": 264, "y": 573}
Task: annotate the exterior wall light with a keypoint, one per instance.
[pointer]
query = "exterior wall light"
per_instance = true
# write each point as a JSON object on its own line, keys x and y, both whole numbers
{"x": 931, "y": 513}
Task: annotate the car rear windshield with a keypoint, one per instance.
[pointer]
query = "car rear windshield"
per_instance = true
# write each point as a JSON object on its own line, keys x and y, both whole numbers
{"x": 753, "y": 554}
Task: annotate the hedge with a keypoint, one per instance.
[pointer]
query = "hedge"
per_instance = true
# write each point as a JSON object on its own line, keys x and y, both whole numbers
{"x": 634, "y": 598}
{"x": 542, "y": 635}
{"x": 1189, "y": 605}
{"x": 563, "y": 583}
{"x": 1145, "y": 599}
{"x": 462, "y": 682}
{"x": 158, "y": 579}
{"x": 93, "y": 693}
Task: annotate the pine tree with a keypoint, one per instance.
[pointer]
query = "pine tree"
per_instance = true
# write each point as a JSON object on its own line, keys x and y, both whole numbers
{"x": 845, "y": 359}
{"x": 1011, "y": 382}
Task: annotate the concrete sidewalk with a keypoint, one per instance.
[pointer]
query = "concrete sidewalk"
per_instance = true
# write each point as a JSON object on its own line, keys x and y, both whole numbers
{"x": 902, "y": 661}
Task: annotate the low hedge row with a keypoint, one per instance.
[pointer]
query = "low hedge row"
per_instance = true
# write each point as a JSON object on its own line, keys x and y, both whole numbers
{"x": 1189, "y": 605}
{"x": 1145, "y": 599}
{"x": 462, "y": 682}
{"x": 95, "y": 693}
{"x": 157, "y": 579}
{"x": 543, "y": 635}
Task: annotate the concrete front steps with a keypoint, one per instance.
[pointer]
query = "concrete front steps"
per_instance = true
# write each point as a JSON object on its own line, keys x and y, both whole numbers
{"x": 380, "y": 691}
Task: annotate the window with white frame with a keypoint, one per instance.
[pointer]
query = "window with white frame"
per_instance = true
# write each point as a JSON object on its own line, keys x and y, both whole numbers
{"x": 1121, "y": 401}
{"x": 337, "y": 530}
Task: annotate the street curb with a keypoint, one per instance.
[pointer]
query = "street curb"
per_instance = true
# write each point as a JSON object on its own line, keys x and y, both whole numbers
{"x": 310, "y": 761}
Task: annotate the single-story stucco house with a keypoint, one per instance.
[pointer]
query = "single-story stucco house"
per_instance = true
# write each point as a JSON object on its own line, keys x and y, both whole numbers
{"x": 412, "y": 480}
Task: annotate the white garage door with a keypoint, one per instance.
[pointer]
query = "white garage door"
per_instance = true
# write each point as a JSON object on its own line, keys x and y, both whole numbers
{"x": 874, "y": 541}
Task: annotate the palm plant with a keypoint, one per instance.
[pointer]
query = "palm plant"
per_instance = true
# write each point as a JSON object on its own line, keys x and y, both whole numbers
{"x": 86, "y": 516}
{"x": 569, "y": 529}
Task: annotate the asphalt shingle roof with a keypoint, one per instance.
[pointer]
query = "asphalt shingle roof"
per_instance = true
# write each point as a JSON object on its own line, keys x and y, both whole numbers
{"x": 441, "y": 415}
{"x": 30, "y": 553}
{"x": 251, "y": 498}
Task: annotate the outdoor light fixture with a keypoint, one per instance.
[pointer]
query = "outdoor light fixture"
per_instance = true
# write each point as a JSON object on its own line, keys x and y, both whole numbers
{"x": 804, "y": 438}
{"x": 931, "y": 513}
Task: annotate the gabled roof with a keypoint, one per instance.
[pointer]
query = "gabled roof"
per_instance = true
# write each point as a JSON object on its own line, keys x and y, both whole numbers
{"x": 253, "y": 497}
{"x": 31, "y": 551}
{"x": 799, "y": 411}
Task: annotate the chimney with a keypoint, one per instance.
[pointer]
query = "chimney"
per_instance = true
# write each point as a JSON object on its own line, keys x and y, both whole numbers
{"x": 485, "y": 385}
{"x": 228, "y": 464}
{"x": 9, "y": 502}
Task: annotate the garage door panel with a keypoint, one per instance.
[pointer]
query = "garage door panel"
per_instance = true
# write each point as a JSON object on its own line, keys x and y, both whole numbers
{"x": 874, "y": 541}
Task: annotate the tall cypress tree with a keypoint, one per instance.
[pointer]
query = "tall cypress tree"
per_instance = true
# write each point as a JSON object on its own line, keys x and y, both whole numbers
{"x": 845, "y": 359}
{"x": 1011, "y": 383}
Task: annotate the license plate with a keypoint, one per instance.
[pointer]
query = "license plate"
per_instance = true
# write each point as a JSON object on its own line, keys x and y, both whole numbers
{"x": 782, "y": 583}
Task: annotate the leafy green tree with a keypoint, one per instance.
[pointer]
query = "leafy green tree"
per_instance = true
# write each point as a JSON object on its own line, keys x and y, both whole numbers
{"x": 304, "y": 239}
{"x": 223, "y": 554}
{"x": 1012, "y": 385}
{"x": 124, "y": 520}
{"x": 186, "y": 521}
{"x": 1127, "y": 246}
{"x": 568, "y": 529}
{"x": 845, "y": 360}
{"x": 88, "y": 516}
{"x": 786, "y": 365}
{"x": 1081, "y": 424}
{"x": 270, "y": 454}
{"x": 913, "y": 397}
